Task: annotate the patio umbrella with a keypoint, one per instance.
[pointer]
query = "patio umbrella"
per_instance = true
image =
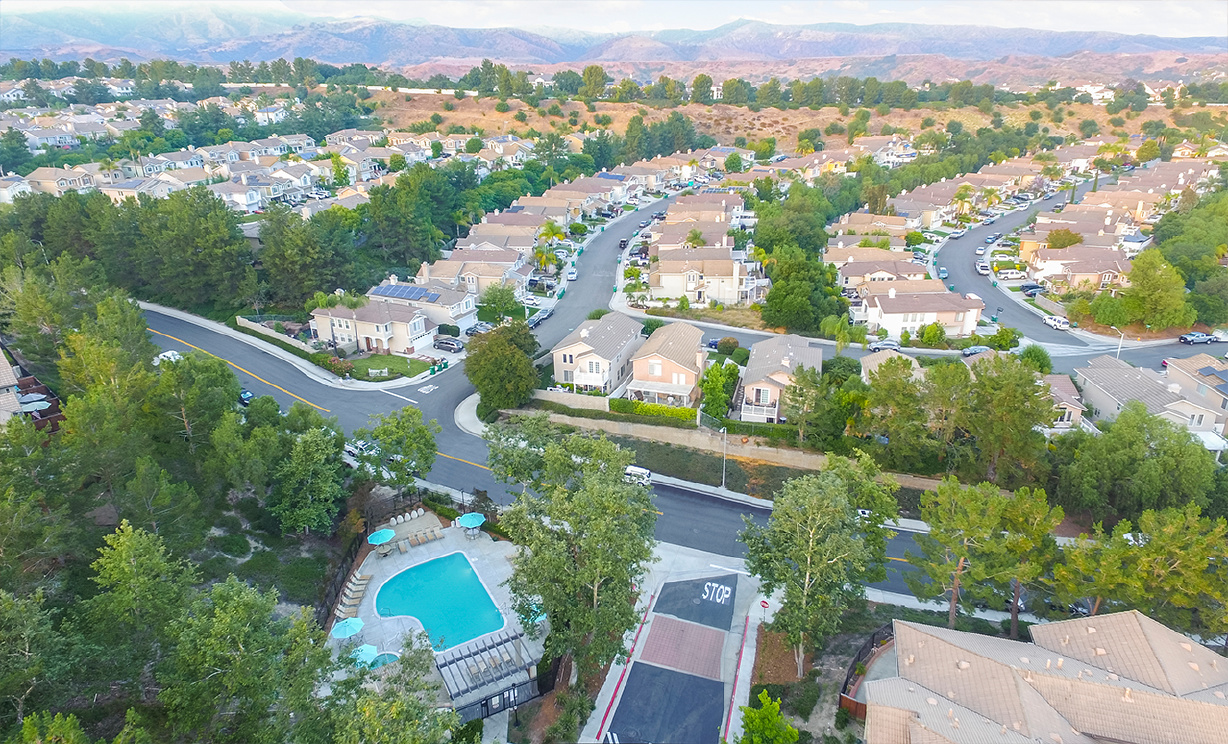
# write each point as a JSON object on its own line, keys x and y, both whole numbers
{"x": 347, "y": 627}
{"x": 38, "y": 405}
{"x": 381, "y": 536}
{"x": 30, "y": 397}
{"x": 364, "y": 654}
{"x": 470, "y": 521}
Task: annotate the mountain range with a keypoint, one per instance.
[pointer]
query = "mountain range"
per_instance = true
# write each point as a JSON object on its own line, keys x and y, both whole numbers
{"x": 218, "y": 34}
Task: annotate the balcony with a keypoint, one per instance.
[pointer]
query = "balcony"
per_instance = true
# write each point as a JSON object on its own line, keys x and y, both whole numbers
{"x": 761, "y": 414}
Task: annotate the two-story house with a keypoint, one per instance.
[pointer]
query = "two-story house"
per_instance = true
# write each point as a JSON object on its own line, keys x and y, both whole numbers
{"x": 441, "y": 305}
{"x": 667, "y": 368}
{"x": 58, "y": 181}
{"x": 900, "y": 306}
{"x": 597, "y": 355}
{"x": 377, "y": 327}
{"x": 851, "y": 275}
{"x": 1203, "y": 379}
{"x": 12, "y": 187}
{"x": 1108, "y": 384}
{"x": 769, "y": 371}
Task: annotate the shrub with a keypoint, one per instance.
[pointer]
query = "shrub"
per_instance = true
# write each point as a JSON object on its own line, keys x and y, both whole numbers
{"x": 842, "y": 718}
{"x": 927, "y": 122}
{"x": 578, "y": 228}
{"x": 339, "y": 367}
{"x": 229, "y": 524}
{"x": 640, "y": 408}
{"x": 470, "y": 733}
{"x": 740, "y": 356}
{"x": 727, "y": 345}
{"x": 447, "y": 329}
{"x": 235, "y": 545}
{"x": 447, "y": 106}
{"x": 651, "y": 325}
{"x": 803, "y": 696}
{"x": 598, "y": 313}
{"x": 683, "y": 302}
{"x": 502, "y": 107}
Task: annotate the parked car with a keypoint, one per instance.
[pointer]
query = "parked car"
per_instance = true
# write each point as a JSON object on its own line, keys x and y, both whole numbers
{"x": 531, "y": 301}
{"x": 562, "y": 254}
{"x": 989, "y": 220}
{"x": 645, "y": 223}
{"x": 1030, "y": 285}
{"x": 1197, "y": 338}
{"x": 1011, "y": 274}
{"x": 478, "y": 328}
{"x": 957, "y": 234}
{"x": 1032, "y": 292}
{"x": 713, "y": 343}
{"x": 974, "y": 350}
{"x": 246, "y": 397}
{"x": 884, "y": 345}
{"x": 446, "y": 343}
{"x": 980, "y": 250}
{"x": 942, "y": 272}
{"x": 1049, "y": 195}
{"x": 171, "y": 356}
{"x": 993, "y": 238}
{"x": 359, "y": 448}
{"x": 1056, "y": 322}
{"x": 983, "y": 269}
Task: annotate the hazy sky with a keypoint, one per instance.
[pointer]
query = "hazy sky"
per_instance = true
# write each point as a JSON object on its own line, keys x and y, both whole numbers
{"x": 1158, "y": 17}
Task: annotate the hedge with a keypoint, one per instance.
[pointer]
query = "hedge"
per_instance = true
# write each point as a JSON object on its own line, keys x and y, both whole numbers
{"x": 547, "y": 405}
{"x": 447, "y": 329}
{"x": 640, "y": 408}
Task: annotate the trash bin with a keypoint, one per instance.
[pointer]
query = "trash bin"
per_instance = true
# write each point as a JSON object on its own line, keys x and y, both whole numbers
{"x": 445, "y": 364}
{"x": 433, "y": 370}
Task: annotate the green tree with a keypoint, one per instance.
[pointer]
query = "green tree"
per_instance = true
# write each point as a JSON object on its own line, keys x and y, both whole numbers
{"x": 803, "y": 400}
{"x": 406, "y": 442}
{"x": 517, "y": 448}
{"x": 35, "y": 658}
{"x": 962, "y": 521}
{"x": 401, "y": 708}
{"x": 1008, "y": 441}
{"x": 1095, "y": 570}
{"x": 190, "y": 397}
{"x": 1063, "y": 238}
{"x": 309, "y": 483}
{"x": 733, "y": 163}
{"x": 1023, "y": 553}
{"x": 1148, "y": 151}
{"x": 141, "y": 590}
{"x": 500, "y": 299}
{"x": 503, "y": 374}
{"x": 1089, "y": 128}
{"x": 812, "y": 550}
{"x": 474, "y": 145}
{"x": 1037, "y": 357}
{"x": 895, "y": 410}
{"x": 594, "y": 80}
{"x": 913, "y": 238}
{"x": 584, "y": 543}
{"x": 1156, "y": 295}
{"x": 715, "y": 387}
{"x": 1140, "y": 462}
{"x": 765, "y": 724}
{"x": 152, "y": 501}
{"x": 701, "y": 91}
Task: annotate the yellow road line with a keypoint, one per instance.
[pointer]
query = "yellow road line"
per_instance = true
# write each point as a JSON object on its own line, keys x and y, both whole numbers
{"x": 253, "y": 374}
{"x": 460, "y": 459}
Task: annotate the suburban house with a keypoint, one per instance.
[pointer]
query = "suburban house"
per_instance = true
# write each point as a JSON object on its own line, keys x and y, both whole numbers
{"x": 238, "y": 196}
{"x": 667, "y": 368}
{"x": 1067, "y": 401}
{"x": 855, "y": 274}
{"x": 58, "y": 181}
{"x": 706, "y": 275}
{"x": 12, "y": 187}
{"x": 1203, "y": 379}
{"x": 842, "y": 256}
{"x": 377, "y": 327}
{"x": 1081, "y": 267}
{"x": 1109, "y": 383}
{"x": 862, "y": 223}
{"x": 10, "y": 406}
{"x": 133, "y": 188}
{"x": 900, "y": 306}
{"x": 597, "y": 355}
{"x": 473, "y": 270}
{"x": 769, "y": 370}
{"x": 440, "y": 304}
{"x": 1119, "y": 677}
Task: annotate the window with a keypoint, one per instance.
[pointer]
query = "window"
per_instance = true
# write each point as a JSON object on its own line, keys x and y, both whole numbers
{"x": 763, "y": 397}
{"x": 654, "y": 369}
{"x": 679, "y": 378}
{"x": 1199, "y": 421}
{"x": 569, "y": 358}
{"x": 594, "y": 367}
{"x": 959, "y": 317}
{"x": 566, "y": 375}
{"x": 1202, "y": 389}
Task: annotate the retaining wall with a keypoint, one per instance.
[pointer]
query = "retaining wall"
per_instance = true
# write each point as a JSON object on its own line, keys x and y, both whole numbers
{"x": 265, "y": 330}
{"x": 574, "y": 400}
{"x": 1056, "y": 308}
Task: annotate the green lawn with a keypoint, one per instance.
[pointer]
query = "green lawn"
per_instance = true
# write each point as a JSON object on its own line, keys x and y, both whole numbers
{"x": 398, "y": 366}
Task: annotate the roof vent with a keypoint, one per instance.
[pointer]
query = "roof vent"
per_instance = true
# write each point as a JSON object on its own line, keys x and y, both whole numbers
{"x": 931, "y": 701}
{"x": 1090, "y": 630}
{"x": 1100, "y": 651}
{"x": 1194, "y": 666}
{"x": 1023, "y": 659}
{"x": 392, "y": 279}
{"x": 583, "y": 333}
{"x": 963, "y": 665}
{"x": 1186, "y": 646}
{"x": 1059, "y": 663}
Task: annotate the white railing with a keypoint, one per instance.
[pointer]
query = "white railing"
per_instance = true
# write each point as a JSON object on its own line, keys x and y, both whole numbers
{"x": 767, "y": 412}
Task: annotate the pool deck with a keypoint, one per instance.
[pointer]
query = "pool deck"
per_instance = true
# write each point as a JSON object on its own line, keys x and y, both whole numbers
{"x": 490, "y": 560}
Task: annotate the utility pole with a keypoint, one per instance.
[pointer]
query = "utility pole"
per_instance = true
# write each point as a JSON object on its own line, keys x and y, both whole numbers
{"x": 724, "y": 448}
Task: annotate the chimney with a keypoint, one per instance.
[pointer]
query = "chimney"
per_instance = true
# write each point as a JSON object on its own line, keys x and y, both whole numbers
{"x": 426, "y": 271}
{"x": 392, "y": 279}
{"x": 891, "y": 292}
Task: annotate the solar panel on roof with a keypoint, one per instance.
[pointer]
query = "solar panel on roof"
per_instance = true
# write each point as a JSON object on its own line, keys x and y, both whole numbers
{"x": 432, "y": 297}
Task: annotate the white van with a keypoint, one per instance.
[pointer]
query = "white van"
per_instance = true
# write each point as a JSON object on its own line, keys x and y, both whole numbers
{"x": 1057, "y": 322}
{"x": 637, "y": 475}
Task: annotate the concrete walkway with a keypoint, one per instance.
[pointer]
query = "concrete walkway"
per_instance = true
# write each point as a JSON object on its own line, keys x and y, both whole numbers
{"x": 322, "y": 376}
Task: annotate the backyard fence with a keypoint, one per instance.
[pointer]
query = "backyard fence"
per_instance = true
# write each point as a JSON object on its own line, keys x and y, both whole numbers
{"x": 856, "y": 708}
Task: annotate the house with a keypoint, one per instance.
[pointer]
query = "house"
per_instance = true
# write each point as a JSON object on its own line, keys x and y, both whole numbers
{"x": 474, "y": 270}
{"x": 855, "y": 274}
{"x": 862, "y": 223}
{"x": 442, "y": 305}
{"x": 12, "y": 187}
{"x": 903, "y": 309}
{"x": 871, "y": 362}
{"x": 350, "y": 135}
{"x": 57, "y": 181}
{"x": 1081, "y": 267}
{"x": 1203, "y": 379}
{"x": 1108, "y": 384}
{"x": 667, "y": 368}
{"x": 705, "y": 275}
{"x": 377, "y": 327}
{"x": 133, "y": 188}
{"x": 10, "y": 406}
{"x": 769, "y": 370}
{"x": 274, "y": 114}
{"x": 1119, "y": 677}
{"x": 181, "y": 159}
{"x": 238, "y": 196}
{"x": 1067, "y": 401}
{"x": 185, "y": 177}
{"x": 597, "y": 355}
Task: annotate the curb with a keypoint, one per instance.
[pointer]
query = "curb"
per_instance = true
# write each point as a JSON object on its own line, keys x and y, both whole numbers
{"x": 466, "y": 417}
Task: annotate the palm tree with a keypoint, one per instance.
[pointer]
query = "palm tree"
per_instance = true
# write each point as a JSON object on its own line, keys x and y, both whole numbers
{"x": 962, "y": 198}
{"x": 544, "y": 258}
{"x": 764, "y": 258}
{"x": 837, "y": 328}
{"x": 550, "y": 233}
{"x": 694, "y": 238}
{"x": 990, "y": 195}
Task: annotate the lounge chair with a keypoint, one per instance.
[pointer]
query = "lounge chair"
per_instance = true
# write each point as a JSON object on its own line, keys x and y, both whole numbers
{"x": 344, "y": 613}
{"x": 358, "y": 581}
{"x": 354, "y": 594}
{"x": 402, "y": 547}
{"x": 435, "y": 534}
{"x": 365, "y": 577}
{"x": 507, "y": 658}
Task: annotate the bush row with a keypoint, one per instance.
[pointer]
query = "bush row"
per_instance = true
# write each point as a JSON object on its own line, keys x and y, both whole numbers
{"x": 640, "y": 408}
{"x": 546, "y": 405}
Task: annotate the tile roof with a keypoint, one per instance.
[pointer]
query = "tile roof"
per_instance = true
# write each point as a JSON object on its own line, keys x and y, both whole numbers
{"x": 1062, "y": 389}
{"x": 677, "y": 342}
{"x": 606, "y": 336}
{"x": 781, "y": 354}
{"x": 1124, "y": 383}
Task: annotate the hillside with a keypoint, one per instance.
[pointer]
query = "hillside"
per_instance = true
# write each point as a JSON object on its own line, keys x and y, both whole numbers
{"x": 727, "y": 122}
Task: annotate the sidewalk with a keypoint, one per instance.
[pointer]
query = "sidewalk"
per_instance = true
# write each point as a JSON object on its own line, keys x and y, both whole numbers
{"x": 324, "y": 377}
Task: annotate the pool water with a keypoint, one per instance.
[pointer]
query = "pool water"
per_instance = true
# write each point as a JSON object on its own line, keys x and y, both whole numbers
{"x": 446, "y": 596}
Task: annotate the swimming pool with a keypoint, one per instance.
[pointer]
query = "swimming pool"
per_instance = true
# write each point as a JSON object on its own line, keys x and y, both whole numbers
{"x": 446, "y": 596}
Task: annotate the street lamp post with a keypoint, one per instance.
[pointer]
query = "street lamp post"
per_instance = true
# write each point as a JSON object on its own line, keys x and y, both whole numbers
{"x": 724, "y": 448}
{"x": 1123, "y": 338}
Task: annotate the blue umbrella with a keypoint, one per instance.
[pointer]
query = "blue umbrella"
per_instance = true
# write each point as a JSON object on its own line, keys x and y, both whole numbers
{"x": 347, "y": 627}
{"x": 380, "y": 537}
{"x": 364, "y": 654}
{"x": 471, "y": 520}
